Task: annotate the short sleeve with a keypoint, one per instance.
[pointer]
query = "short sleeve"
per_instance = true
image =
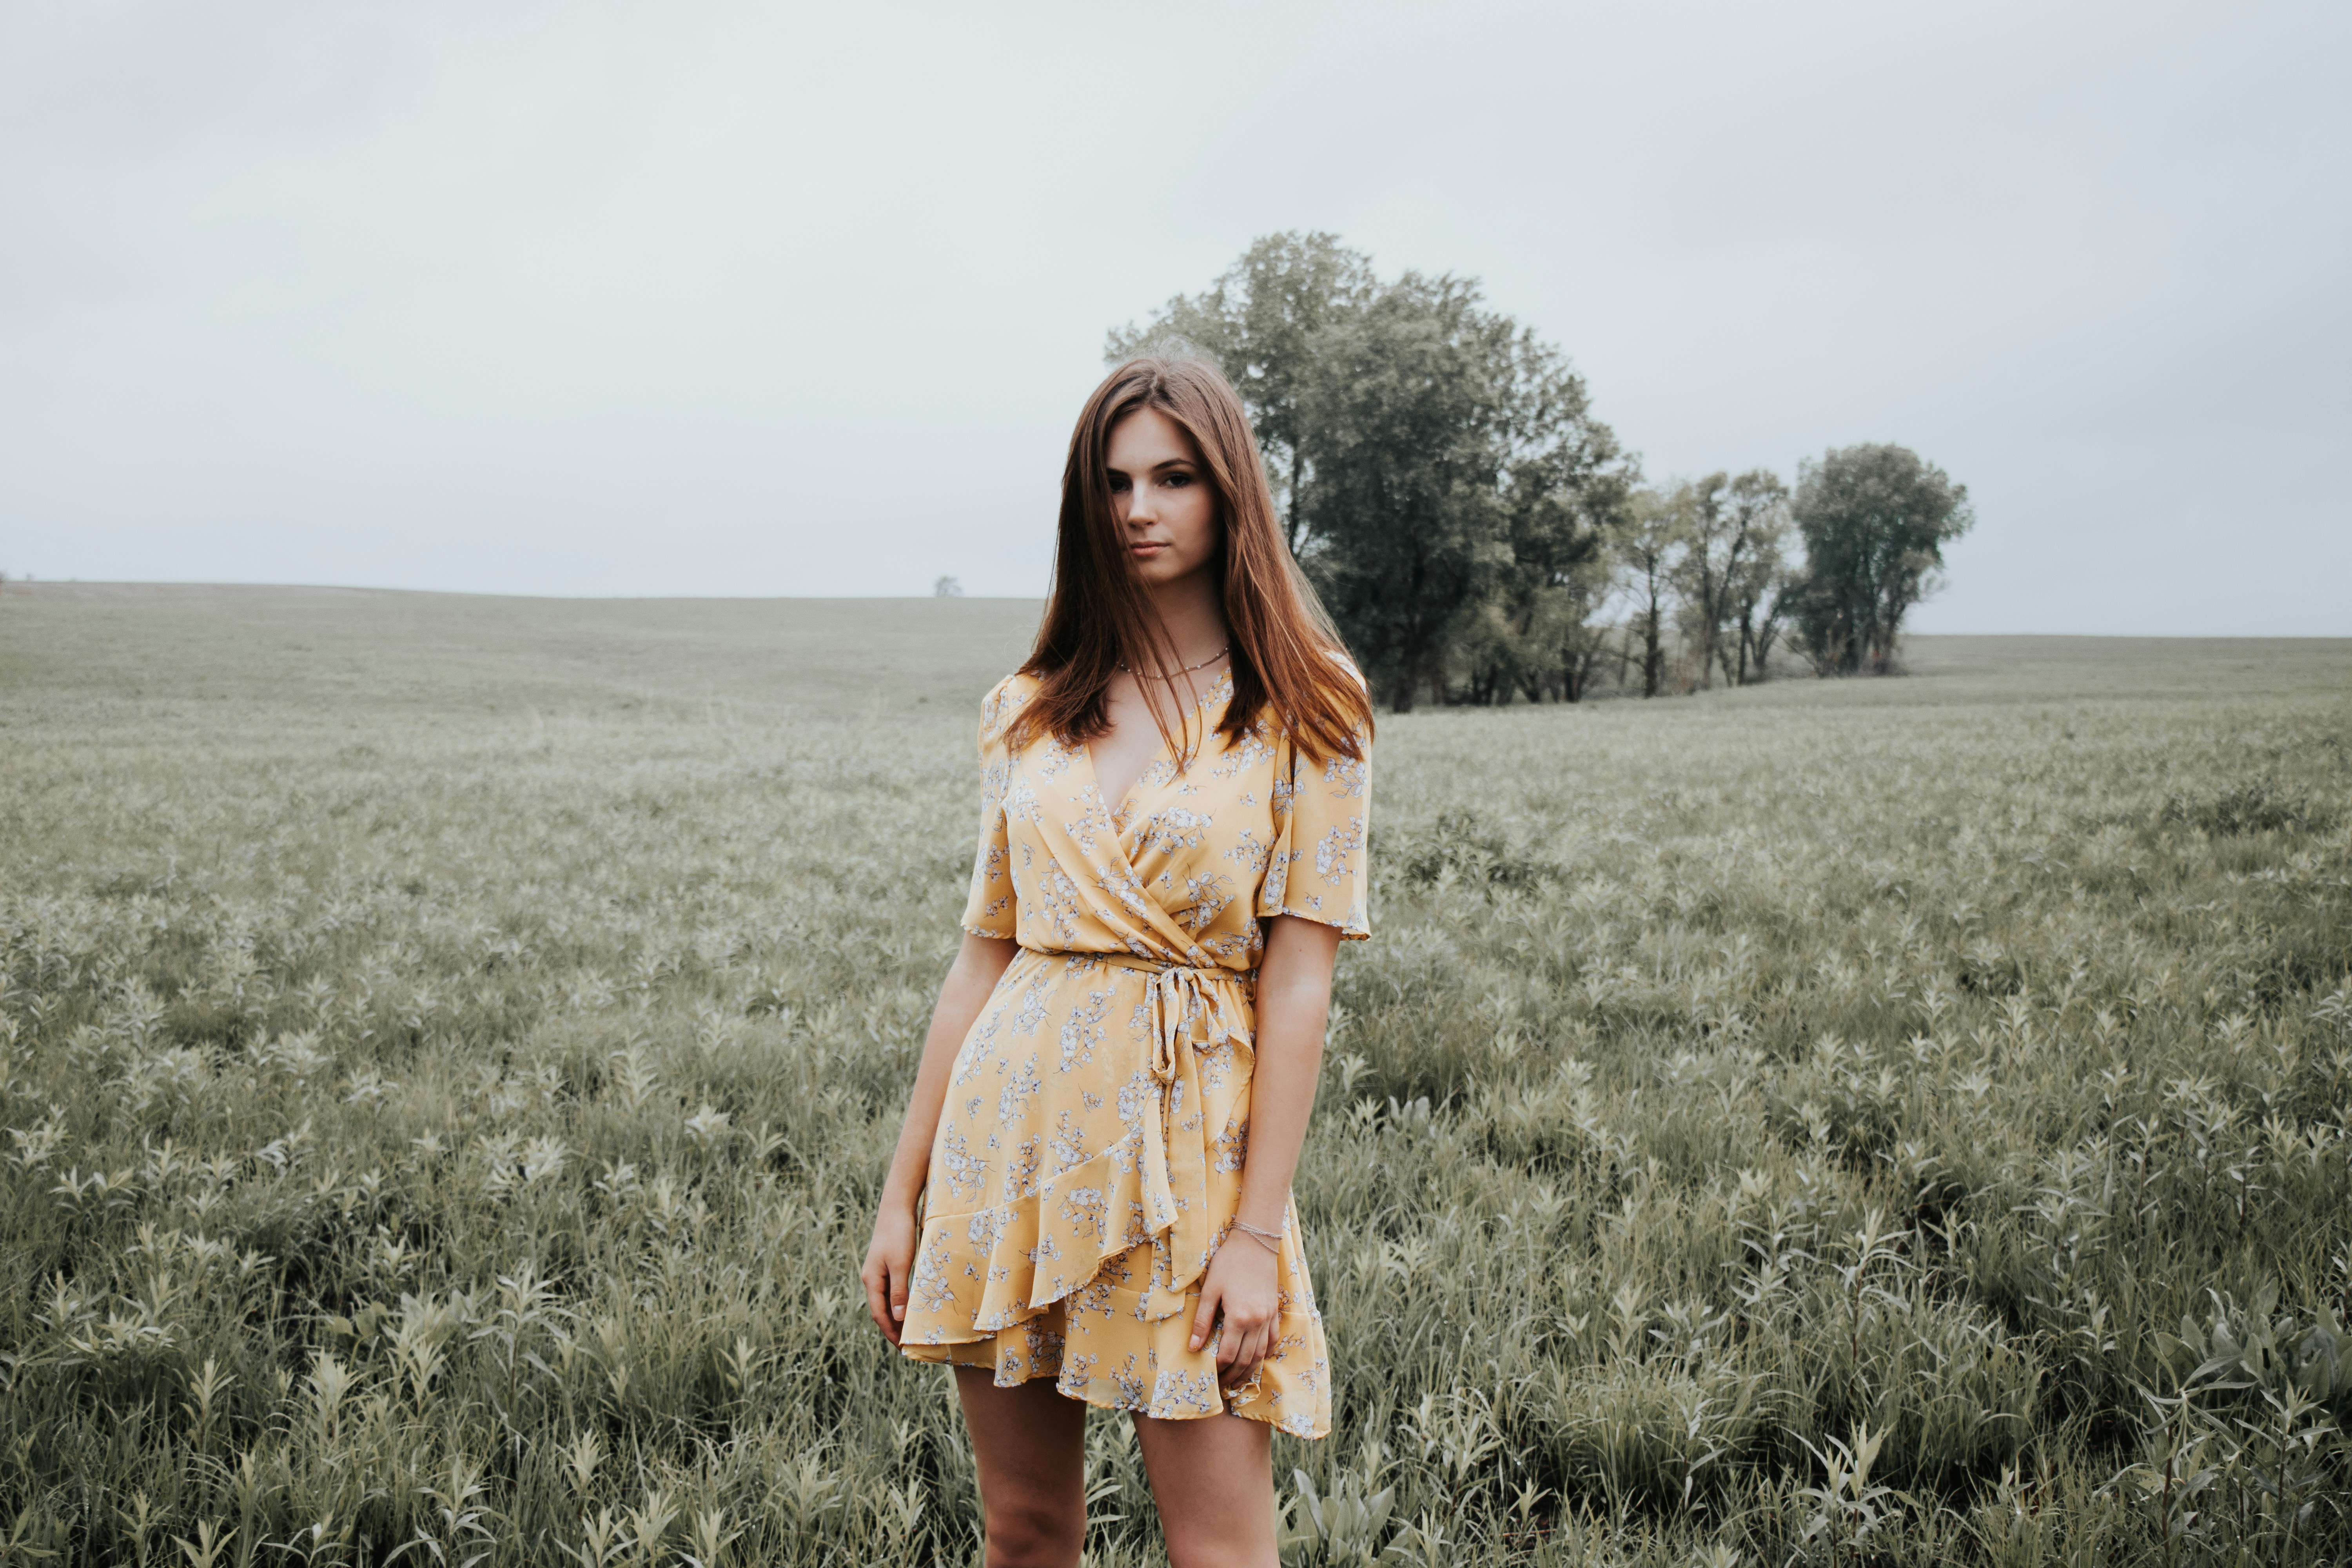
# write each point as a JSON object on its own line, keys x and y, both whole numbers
{"x": 1319, "y": 867}
{"x": 991, "y": 910}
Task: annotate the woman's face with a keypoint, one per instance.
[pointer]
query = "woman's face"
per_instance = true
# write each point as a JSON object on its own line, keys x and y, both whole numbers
{"x": 1166, "y": 508}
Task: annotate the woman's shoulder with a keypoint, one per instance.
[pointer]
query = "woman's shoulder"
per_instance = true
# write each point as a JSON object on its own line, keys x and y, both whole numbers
{"x": 1004, "y": 699}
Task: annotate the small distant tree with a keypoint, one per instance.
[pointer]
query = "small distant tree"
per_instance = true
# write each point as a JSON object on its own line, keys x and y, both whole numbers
{"x": 1875, "y": 519}
{"x": 947, "y": 588}
{"x": 1650, "y": 549}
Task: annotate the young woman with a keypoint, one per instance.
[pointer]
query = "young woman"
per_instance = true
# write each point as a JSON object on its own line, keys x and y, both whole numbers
{"x": 1090, "y": 1202}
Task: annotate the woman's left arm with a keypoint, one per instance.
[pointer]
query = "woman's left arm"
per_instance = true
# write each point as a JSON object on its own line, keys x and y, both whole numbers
{"x": 1294, "y": 1002}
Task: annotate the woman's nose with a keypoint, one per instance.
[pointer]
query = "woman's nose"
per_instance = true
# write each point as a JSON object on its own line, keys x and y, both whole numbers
{"x": 1139, "y": 504}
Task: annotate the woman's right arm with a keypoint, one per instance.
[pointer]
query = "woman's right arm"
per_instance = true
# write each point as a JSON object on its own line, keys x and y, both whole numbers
{"x": 979, "y": 964}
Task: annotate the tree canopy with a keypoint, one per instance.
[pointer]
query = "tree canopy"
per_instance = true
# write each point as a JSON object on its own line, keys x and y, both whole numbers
{"x": 1479, "y": 535}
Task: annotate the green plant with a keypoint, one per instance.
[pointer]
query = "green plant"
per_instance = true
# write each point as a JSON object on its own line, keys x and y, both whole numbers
{"x": 436, "y": 1134}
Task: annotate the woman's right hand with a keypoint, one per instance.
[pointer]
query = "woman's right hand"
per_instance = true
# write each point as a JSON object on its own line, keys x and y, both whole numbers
{"x": 889, "y": 1258}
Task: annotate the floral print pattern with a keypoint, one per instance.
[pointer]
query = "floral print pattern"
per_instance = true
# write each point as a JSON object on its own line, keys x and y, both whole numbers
{"x": 1069, "y": 1213}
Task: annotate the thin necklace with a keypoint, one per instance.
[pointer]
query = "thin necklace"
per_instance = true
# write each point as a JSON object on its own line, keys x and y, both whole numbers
{"x": 1187, "y": 668}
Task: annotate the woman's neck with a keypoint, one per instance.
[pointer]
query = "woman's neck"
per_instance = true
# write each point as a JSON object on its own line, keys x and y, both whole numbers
{"x": 1192, "y": 615}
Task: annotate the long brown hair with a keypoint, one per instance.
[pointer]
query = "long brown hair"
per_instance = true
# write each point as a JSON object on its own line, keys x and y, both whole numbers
{"x": 1287, "y": 657}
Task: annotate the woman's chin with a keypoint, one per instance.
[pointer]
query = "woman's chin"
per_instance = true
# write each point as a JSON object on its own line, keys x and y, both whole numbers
{"x": 1159, "y": 571}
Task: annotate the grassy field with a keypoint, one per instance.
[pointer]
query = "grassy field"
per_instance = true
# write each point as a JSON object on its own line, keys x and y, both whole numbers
{"x": 451, "y": 1046}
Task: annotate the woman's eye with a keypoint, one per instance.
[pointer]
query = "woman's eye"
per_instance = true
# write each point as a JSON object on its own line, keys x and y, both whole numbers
{"x": 1176, "y": 481}
{"x": 1118, "y": 482}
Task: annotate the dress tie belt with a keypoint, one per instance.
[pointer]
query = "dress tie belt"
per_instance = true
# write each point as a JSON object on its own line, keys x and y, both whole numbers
{"x": 1176, "y": 995}
{"x": 1181, "y": 1002}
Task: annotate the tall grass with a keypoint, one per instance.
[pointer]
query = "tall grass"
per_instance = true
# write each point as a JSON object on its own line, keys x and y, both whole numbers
{"x": 1818, "y": 1125}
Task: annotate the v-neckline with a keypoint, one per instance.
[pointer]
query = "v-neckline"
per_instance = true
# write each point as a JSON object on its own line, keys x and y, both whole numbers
{"x": 1114, "y": 812}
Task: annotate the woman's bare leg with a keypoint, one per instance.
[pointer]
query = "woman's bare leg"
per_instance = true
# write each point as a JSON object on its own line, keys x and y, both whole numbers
{"x": 1214, "y": 1479}
{"x": 1031, "y": 1446}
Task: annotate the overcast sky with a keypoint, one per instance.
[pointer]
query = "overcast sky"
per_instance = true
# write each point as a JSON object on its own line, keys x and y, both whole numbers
{"x": 587, "y": 298}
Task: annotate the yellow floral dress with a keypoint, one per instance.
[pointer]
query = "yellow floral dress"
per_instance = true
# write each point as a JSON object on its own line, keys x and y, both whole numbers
{"x": 1089, "y": 1159}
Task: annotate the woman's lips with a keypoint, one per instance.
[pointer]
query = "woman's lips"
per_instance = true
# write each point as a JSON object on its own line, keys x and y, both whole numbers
{"x": 1147, "y": 547}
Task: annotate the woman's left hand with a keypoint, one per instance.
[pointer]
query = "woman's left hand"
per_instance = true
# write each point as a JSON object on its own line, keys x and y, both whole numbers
{"x": 1241, "y": 1284}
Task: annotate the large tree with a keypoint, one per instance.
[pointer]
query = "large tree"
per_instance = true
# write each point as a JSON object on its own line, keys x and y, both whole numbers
{"x": 1404, "y": 505}
{"x": 1437, "y": 467}
{"x": 1258, "y": 322}
{"x": 1875, "y": 519}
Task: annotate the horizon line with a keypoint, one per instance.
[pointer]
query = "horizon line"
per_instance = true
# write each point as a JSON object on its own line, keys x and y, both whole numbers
{"x": 9, "y": 584}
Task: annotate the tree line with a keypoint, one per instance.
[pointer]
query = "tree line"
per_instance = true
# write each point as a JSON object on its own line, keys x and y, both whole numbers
{"x": 1480, "y": 536}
